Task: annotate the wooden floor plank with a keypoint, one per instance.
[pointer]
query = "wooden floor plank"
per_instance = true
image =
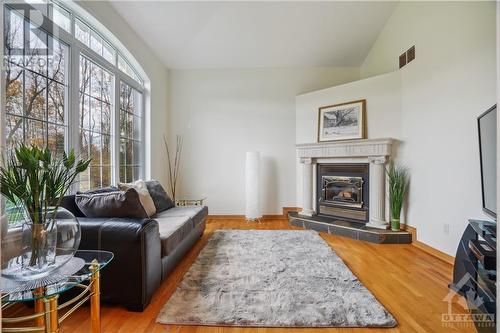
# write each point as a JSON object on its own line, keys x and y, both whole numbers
{"x": 410, "y": 283}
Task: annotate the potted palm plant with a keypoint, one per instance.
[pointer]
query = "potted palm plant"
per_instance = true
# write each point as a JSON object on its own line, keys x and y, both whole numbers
{"x": 34, "y": 181}
{"x": 398, "y": 186}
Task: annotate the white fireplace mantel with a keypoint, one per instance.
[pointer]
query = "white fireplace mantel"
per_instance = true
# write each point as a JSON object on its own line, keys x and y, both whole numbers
{"x": 353, "y": 148}
{"x": 373, "y": 151}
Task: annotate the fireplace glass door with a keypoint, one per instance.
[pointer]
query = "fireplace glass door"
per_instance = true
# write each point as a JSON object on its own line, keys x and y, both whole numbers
{"x": 342, "y": 191}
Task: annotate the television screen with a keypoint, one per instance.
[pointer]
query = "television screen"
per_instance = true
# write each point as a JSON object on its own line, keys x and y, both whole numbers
{"x": 487, "y": 123}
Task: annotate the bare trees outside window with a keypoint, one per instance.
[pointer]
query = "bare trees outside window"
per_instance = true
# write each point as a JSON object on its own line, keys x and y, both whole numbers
{"x": 130, "y": 133}
{"x": 60, "y": 91}
{"x": 95, "y": 120}
{"x": 35, "y": 85}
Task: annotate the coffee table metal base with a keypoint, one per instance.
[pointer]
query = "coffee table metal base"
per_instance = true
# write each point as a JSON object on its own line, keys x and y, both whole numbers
{"x": 47, "y": 312}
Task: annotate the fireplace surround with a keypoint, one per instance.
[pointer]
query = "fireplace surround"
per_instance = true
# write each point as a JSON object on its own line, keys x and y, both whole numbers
{"x": 372, "y": 152}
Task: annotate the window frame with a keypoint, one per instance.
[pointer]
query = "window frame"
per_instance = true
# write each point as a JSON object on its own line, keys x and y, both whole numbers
{"x": 75, "y": 49}
{"x": 142, "y": 134}
{"x": 48, "y": 80}
{"x": 99, "y": 132}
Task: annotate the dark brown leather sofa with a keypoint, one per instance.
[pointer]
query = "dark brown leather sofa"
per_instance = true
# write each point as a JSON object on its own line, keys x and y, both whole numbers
{"x": 146, "y": 250}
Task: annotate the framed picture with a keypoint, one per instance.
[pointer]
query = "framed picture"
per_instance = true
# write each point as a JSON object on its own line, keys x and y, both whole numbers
{"x": 344, "y": 121}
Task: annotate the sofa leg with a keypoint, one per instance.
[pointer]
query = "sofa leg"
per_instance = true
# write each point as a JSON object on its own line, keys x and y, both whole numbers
{"x": 135, "y": 307}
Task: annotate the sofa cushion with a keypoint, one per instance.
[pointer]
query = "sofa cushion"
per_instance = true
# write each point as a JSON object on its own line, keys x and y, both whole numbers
{"x": 111, "y": 204}
{"x": 173, "y": 230}
{"x": 160, "y": 198}
{"x": 196, "y": 213}
{"x": 68, "y": 202}
{"x": 144, "y": 196}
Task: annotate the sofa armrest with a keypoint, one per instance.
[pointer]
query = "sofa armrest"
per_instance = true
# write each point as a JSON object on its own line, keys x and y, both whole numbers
{"x": 134, "y": 274}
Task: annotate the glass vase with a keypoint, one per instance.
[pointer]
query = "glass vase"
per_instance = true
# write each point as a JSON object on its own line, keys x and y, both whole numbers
{"x": 32, "y": 250}
{"x": 39, "y": 246}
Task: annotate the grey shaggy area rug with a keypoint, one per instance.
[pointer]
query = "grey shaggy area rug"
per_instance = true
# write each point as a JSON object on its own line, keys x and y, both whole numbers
{"x": 268, "y": 278}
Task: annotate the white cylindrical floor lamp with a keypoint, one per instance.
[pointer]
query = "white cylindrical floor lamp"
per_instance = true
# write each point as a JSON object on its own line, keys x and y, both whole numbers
{"x": 252, "y": 180}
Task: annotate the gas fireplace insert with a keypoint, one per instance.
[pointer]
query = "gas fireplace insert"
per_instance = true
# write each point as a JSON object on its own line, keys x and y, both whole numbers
{"x": 343, "y": 191}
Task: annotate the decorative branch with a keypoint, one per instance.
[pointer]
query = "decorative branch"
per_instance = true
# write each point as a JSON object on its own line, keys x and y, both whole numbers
{"x": 173, "y": 167}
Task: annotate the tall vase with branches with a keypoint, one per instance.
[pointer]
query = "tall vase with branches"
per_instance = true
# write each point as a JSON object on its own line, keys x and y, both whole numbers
{"x": 398, "y": 186}
{"x": 35, "y": 181}
{"x": 173, "y": 165}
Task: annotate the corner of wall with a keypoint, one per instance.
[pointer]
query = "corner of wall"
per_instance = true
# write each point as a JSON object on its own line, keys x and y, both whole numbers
{"x": 429, "y": 87}
{"x": 376, "y": 61}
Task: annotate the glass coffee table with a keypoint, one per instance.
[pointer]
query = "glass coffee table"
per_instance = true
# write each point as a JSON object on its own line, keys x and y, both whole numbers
{"x": 81, "y": 272}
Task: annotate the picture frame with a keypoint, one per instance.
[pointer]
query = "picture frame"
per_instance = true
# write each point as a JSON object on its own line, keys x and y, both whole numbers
{"x": 345, "y": 121}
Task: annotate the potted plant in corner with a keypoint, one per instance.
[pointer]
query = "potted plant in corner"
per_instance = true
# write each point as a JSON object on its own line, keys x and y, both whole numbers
{"x": 34, "y": 182}
{"x": 398, "y": 186}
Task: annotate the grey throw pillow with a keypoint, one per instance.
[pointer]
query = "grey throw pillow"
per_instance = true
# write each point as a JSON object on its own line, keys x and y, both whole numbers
{"x": 102, "y": 190}
{"x": 160, "y": 197}
{"x": 110, "y": 204}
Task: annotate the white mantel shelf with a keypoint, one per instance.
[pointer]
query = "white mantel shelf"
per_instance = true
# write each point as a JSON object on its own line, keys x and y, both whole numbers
{"x": 351, "y": 148}
{"x": 376, "y": 152}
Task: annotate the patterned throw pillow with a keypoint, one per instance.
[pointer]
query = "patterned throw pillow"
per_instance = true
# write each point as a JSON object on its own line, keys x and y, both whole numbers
{"x": 144, "y": 196}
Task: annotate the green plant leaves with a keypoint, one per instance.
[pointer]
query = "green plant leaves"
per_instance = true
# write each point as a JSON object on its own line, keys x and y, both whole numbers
{"x": 398, "y": 176}
{"x": 32, "y": 177}
{"x": 82, "y": 166}
{"x": 69, "y": 160}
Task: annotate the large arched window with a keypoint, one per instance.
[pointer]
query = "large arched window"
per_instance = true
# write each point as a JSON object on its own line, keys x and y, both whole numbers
{"x": 68, "y": 85}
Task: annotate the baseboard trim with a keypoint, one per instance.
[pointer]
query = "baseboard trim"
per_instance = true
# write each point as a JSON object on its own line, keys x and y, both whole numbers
{"x": 242, "y": 217}
{"x": 427, "y": 248}
{"x": 226, "y": 217}
{"x": 284, "y": 216}
{"x": 287, "y": 210}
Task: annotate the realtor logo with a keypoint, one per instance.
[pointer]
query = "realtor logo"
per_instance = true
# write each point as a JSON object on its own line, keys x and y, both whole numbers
{"x": 471, "y": 302}
{"x": 26, "y": 40}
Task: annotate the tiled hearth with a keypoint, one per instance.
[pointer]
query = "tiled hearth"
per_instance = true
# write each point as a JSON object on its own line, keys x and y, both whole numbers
{"x": 349, "y": 229}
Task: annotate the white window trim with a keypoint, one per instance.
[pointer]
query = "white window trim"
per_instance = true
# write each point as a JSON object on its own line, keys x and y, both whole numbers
{"x": 2, "y": 92}
{"x": 72, "y": 68}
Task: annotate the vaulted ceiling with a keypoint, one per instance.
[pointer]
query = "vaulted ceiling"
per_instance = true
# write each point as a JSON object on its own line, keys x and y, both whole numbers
{"x": 257, "y": 34}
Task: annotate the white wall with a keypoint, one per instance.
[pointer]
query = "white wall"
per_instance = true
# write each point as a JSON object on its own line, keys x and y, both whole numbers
{"x": 451, "y": 81}
{"x": 222, "y": 113}
{"x": 158, "y": 84}
{"x": 383, "y": 105}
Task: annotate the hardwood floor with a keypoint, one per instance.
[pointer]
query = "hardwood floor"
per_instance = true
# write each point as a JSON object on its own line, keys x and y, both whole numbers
{"x": 410, "y": 283}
